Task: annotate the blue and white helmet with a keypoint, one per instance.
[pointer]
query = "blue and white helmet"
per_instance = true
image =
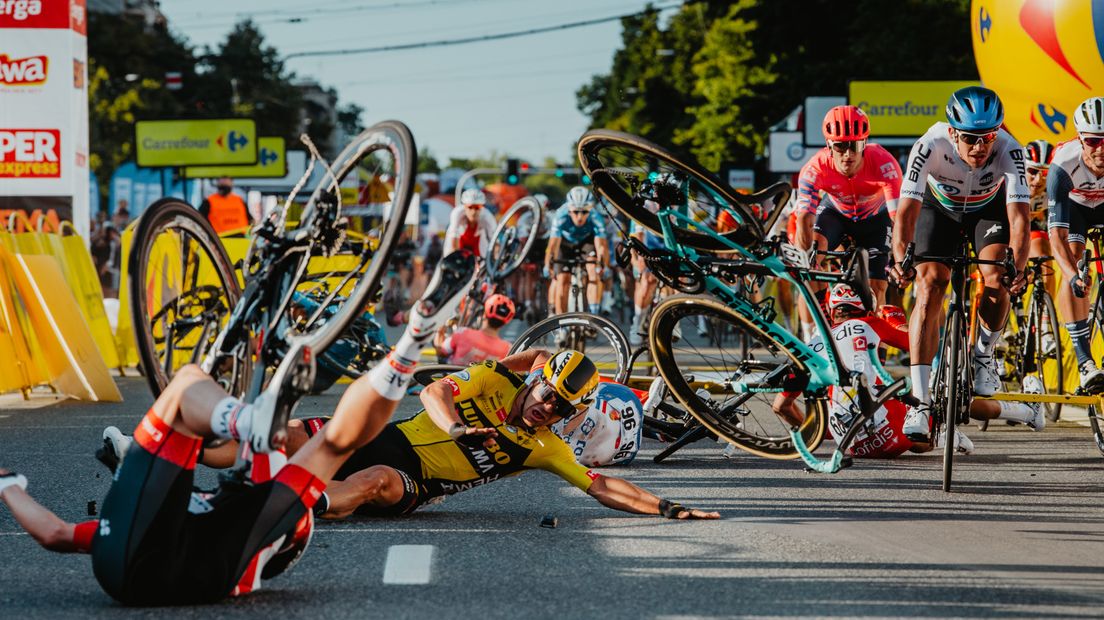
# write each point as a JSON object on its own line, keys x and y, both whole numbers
{"x": 975, "y": 108}
{"x": 579, "y": 198}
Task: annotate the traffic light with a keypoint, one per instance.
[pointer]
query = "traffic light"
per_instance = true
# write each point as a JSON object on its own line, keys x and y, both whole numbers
{"x": 586, "y": 179}
{"x": 559, "y": 171}
{"x": 512, "y": 171}
{"x": 525, "y": 167}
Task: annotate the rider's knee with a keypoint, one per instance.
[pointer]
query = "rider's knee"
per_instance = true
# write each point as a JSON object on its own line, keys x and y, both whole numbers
{"x": 931, "y": 285}
{"x": 371, "y": 484}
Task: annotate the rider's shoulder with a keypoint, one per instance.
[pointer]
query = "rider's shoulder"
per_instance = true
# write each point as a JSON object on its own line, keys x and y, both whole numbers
{"x": 878, "y": 153}
{"x": 1067, "y": 154}
{"x": 939, "y": 134}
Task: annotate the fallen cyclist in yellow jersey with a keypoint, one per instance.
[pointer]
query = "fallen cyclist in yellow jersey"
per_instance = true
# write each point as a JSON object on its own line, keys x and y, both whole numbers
{"x": 479, "y": 425}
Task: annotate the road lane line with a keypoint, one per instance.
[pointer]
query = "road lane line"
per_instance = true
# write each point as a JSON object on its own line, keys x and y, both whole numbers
{"x": 408, "y": 564}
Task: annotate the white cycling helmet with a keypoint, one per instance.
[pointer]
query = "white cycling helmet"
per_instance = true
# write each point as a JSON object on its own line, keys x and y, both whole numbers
{"x": 473, "y": 197}
{"x": 843, "y": 295}
{"x": 1089, "y": 116}
{"x": 579, "y": 198}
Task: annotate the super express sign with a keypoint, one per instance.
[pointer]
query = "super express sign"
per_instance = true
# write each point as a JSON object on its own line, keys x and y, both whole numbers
{"x": 30, "y": 153}
{"x": 196, "y": 143}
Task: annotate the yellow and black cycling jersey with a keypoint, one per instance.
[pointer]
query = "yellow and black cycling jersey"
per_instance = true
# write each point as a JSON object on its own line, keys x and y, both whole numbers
{"x": 483, "y": 395}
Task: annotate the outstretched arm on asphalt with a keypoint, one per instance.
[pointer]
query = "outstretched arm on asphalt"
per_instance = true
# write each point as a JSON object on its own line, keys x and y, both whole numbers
{"x": 43, "y": 525}
{"x": 623, "y": 495}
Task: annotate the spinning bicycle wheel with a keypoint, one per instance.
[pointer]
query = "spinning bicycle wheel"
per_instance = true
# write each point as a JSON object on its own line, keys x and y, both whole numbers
{"x": 182, "y": 288}
{"x": 516, "y": 233}
{"x": 704, "y": 377}
{"x": 342, "y": 283}
{"x": 639, "y": 177}
{"x": 599, "y": 338}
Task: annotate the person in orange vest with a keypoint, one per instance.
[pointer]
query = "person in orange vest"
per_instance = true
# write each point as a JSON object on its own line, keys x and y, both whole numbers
{"x": 225, "y": 209}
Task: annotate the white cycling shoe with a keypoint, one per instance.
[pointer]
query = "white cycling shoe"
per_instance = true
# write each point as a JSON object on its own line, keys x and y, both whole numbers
{"x": 962, "y": 443}
{"x": 1033, "y": 385}
{"x": 114, "y": 449}
{"x": 917, "y": 425}
{"x": 986, "y": 381}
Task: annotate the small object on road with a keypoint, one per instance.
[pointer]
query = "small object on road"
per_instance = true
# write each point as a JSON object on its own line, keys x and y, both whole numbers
{"x": 549, "y": 521}
{"x": 92, "y": 508}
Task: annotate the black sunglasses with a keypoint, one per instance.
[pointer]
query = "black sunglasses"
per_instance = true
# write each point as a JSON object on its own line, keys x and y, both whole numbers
{"x": 560, "y": 406}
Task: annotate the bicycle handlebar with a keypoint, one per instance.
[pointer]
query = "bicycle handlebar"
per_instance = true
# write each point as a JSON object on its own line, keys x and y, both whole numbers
{"x": 910, "y": 260}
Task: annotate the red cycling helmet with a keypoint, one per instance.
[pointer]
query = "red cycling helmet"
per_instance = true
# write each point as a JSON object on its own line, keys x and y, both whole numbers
{"x": 1039, "y": 153}
{"x": 499, "y": 306}
{"x": 843, "y": 295}
{"x": 844, "y": 123}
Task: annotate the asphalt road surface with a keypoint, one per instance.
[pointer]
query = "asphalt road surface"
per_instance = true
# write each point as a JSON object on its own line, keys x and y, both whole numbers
{"x": 1021, "y": 536}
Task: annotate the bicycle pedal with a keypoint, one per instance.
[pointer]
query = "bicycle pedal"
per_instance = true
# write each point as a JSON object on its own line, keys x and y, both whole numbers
{"x": 303, "y": 374}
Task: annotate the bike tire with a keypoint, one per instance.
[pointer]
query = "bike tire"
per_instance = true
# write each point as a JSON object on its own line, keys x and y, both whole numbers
{"x": 615, "y": 359}
{"x": 395, "y": 138}
{"x": 953, "y": 358}
{"x": 614, "y": 161}
{"x": 760, "y": 431}
{"x": 1040, "y": 314}
{"x": 152, "y": 236}
{"x": 429, "y": 373}
{"x": 505, "y": 234}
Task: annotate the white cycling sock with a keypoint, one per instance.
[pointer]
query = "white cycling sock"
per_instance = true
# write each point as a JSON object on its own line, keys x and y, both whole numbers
{"x": 392, "y": 376}
{"x": 12, "y": 479}
{"x": 232, "y": 419}
{"x": 986, "y": 341}
{"x": 1017, "y": 412}
{"x": 921, "y": 375}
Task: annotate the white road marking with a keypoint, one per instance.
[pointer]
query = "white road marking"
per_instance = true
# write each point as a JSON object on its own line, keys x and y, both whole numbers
{"x": 408, "y": 564}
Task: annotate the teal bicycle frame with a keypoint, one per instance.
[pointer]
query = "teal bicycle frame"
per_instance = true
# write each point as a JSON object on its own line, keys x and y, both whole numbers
{"x": 823, "y": 371}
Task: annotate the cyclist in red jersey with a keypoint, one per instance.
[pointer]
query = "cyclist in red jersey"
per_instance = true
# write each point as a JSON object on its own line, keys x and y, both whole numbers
{"x": 851, "y": 189}
{"x": 471, "y": 225}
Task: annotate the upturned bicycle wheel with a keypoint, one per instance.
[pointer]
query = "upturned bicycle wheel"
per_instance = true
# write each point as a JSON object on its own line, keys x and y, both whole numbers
{"x": 597, "y": 337}
{"x": 182, "y": 288}
{"x": 706, "y": 378}
{"x": 341, "y": 284}
{"x": 428, "y": 373}
{"x": 516, "y": 233}
{"x": 639, "y": 177}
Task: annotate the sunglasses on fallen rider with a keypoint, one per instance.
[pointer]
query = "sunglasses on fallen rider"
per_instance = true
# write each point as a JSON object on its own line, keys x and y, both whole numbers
{"x": 974, "y": 138}
{"x": 849, "y": 145}
{"x": 546, "y": 393}
{"x": 1092, "y": 141}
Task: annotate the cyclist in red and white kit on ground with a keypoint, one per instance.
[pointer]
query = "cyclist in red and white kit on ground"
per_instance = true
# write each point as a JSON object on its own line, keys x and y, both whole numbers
{"x": 858, "y": 336}
{"x": 964, "y": 178}
{"x": 471, "y": 226}
{"x": 860, "y": 182}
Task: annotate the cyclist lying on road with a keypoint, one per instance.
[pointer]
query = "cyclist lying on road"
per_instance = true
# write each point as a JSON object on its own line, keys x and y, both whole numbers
{"x": 858, "y": 335}
{"x": 481, "y": 424}
{"x": 154, "y": 545}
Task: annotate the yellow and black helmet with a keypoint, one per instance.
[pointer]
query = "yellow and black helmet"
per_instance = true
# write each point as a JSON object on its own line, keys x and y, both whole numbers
{"x": 573, "y": 376}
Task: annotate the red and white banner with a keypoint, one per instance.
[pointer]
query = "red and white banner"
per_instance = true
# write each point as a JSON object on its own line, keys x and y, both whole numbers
{"x": 44, "y": 107}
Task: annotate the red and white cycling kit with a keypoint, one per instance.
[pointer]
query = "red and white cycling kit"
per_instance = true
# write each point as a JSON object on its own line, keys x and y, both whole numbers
{"x": 462, "y": 234}
{"x": 858, "y": 340}
{"x": 876, "y": 185}
{"x": 1074, "y": 193}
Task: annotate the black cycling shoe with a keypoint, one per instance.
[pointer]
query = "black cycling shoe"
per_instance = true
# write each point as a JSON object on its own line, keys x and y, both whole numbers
{"x": 450, "y": 282}
{"x": 272, "y": 409}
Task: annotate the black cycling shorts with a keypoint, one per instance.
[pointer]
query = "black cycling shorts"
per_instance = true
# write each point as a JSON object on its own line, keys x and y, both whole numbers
{"x": 939, "y": 232}
{"x": 570, "y": 252}
{"x": 872, "y": 233}
{"x": 1081, "y": 220}
{"x": 537, "y": 251}
{"x": 150, "y": 550}
{"x": 392, "y": 449}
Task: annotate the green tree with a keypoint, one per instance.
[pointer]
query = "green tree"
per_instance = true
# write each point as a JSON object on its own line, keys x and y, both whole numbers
{"x": 246, "y": 77}
{"x": 426, "y": 161}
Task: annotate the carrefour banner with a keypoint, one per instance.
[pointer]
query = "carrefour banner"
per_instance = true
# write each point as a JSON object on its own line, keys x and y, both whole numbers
{"x": 225, "y": 141}
{"x": 44, "y": 108}
{"x": 905, "y": 109}
{"x": 271, "y": 163}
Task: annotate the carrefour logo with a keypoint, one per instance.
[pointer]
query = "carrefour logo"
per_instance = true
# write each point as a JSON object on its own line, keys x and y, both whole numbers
{"x": 232, "y": 140}
{"x": 30, "y": 71}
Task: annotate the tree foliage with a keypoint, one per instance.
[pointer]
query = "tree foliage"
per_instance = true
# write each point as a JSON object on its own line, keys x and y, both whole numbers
{"x": 735, "y": 68}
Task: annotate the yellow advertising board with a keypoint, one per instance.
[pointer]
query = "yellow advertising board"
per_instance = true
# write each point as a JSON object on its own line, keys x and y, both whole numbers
{"x": 905, "y": 109}
{"x": 271, "y": 163}
{"x": 196, "y": 142}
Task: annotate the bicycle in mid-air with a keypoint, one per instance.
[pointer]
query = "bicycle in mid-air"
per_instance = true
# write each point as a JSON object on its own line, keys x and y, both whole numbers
{"x": 682, "y": 204}
{"x": 305, "y": 282}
